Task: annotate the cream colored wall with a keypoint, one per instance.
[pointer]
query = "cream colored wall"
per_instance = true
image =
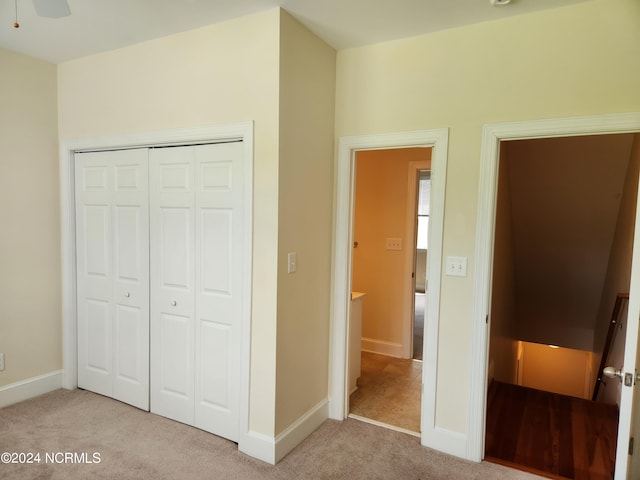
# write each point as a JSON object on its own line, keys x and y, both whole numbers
{"x": 305, "y": 191}
{"x": 574, "y": 60}
{"x": 618, "y": 271}
{"x": 560, "y": 370}
{"x": 223, "y": 73}
{"x": 503, "y": 344}
{"x": 381, "y": 213}
{"x": 30, "y": 311}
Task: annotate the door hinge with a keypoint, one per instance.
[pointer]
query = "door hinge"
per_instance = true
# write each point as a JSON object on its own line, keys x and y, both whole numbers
{"x": 631, "y": 446}
{"x": 486, "y": 319}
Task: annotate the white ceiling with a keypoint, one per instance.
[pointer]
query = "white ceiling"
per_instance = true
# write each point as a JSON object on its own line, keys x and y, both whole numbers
{"x": 100, "y": 25}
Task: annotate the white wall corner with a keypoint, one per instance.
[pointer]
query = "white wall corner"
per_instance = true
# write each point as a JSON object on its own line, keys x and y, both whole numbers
{"x": 29, "y": 388}
{"x": 293, "y": 435}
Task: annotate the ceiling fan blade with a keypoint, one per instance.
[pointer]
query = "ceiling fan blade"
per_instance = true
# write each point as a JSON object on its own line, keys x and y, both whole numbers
{"x": 52, "y": 8}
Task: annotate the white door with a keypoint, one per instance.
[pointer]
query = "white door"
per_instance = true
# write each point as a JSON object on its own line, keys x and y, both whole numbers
{"x": 112, "y": 242}
{"x": 627, "y": 466}
{"x": 196, "y": 273}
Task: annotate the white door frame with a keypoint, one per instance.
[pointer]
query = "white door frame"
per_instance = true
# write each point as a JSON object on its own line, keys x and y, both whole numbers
{"x": 342, "y": 242}
{"x": 408, "y": 319}
{"x": 492, "y": 135}
{"x": 206, "y": 134}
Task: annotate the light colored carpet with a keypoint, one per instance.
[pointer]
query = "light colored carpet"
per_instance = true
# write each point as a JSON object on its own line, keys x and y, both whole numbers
{"x": 138, "y": 445}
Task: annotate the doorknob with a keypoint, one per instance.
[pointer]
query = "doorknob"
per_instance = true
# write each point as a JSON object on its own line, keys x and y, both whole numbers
{"x": 611, "y": 372}
{"x": 174, "y": 303}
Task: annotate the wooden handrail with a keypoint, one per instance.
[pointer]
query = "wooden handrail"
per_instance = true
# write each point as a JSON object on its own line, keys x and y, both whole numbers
{"x": 615, "y": 316}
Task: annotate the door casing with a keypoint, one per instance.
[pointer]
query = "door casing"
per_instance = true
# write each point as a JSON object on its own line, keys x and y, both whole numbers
{"x": 492, "y": 135}
{"x": 437, "y": 139}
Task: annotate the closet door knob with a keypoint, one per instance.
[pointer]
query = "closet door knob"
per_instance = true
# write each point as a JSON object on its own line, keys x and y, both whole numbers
{"x": 174, "y": 303}
{"x": 127, "y": 294}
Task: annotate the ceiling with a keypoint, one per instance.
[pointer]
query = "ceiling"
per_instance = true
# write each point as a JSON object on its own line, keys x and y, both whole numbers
{"x": 100, "y": 25}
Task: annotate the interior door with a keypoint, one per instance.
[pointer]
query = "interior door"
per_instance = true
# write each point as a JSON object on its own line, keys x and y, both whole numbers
{"x": 171, "y": 186}
{"x": 218, "y": 269}
{"x": 628, "y": 466}
{"x": 112, "y": 241}
{"x": 196, "y": 270}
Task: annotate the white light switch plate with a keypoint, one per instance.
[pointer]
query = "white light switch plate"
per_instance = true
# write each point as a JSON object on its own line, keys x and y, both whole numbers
{"x": 456, "y": 266}
{"x": 292, "y": 262}
{"x": 394, "y": 244}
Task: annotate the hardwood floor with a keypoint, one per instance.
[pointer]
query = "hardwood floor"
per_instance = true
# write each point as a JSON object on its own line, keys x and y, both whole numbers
{"x": 553, "y": 435}
{"x": 389, "y": 391}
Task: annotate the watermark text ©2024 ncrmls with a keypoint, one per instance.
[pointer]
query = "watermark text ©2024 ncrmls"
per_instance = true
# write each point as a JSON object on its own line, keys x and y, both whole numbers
{"x": 50, "y": 457}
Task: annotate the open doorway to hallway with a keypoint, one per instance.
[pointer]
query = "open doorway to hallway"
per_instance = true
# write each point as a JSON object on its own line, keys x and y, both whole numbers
{"x": 565, "y": 219}
{"x": 387, "y": 312}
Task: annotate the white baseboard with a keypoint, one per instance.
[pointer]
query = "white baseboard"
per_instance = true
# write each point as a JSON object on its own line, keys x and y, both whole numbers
{"x": 447, "y": 441}
{"x": 272, "y": 450}
{"x": 258, "y": 445}
{"x": 301, "y": 429}
{"x": 29, "y": 388}
{"x": 381, "y": 347}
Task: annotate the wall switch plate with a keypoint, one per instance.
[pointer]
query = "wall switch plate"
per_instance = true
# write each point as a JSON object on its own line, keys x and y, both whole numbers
{"x": 292, "y": 262}
{"x": 1, "y": 361}
{"x": 456, "y": 266}
{"x": 394, "y": 244}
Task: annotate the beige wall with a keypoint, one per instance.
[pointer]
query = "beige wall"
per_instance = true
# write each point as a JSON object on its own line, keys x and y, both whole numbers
{"x": 618, "y": 271}
{"x": 218, "y": 74}
{"x": 575, "y": 60}
{"x": 503, "y": 344}
{"x": 30, "y": 311}
{"x": 307, "y": 92}
{"x": 382, "y": 179}
{"x": 560, "y": 370}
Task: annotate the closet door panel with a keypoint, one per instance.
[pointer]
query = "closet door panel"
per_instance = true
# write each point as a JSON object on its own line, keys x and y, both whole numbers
{"x": 172, "y": 279}
{"x": 112, "y": 241}
{"x": 131, "y": 276}
{"x": 94, "y": 277}
{"x": 218, "y": 286}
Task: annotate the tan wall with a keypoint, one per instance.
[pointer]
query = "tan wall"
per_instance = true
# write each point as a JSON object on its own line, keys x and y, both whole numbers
{"x": 382, "y": 178}
{"x": 559, "y": 370}
{"x": 307, "y": 92}
{"x": 503, "y": 346}
{"x": 618, "y": 272}
{"x": 526, "y": 67}
{"x": 218, "y": 74}
{"x": 564, "y": 219}
{"x": 30, "y": 311}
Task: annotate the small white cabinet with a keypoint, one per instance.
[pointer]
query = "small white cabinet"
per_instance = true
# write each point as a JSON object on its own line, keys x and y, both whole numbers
{"x": 355, "y": 339}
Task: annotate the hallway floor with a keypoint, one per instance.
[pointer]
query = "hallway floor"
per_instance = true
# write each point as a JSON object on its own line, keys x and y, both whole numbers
{"x": 553, "y": 435}
{"x": 389, "y": 391}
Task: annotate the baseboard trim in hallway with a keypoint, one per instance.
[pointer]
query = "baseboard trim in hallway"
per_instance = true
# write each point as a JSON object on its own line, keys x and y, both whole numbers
{"x": 384, "y": 425}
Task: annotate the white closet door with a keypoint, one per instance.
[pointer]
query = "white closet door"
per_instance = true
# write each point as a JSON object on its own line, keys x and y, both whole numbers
{"x": 112, "y": 241}
{"x": 172, "y": 193}
{"x": 196, "y": 274}
{"x": 219, "y": 236}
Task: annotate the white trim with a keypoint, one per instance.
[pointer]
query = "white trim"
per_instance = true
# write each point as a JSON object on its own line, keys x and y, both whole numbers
{"x": 300, "y": 429}
{"x": 341, "y": 267}
{"x": 410, "y": 257}
{"x": 489, "y": 158}
{"x": 381, "y": 347}
{"x": 260, "y": 446}
{"x": 384, "y": 425}
{"x": 29, "y": 388}
{"x": 216, "y": 133}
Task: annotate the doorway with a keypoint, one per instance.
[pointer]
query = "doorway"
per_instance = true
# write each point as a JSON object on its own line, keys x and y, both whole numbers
{"x": 493, "y": 135}
{"x": 343, "y": 243}
{"x": 388, "y": 389}
{"x": 562, "y": 252}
